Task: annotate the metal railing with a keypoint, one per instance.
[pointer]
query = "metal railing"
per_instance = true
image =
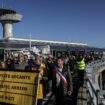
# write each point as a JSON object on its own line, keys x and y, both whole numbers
{"x": 95, "y": 92}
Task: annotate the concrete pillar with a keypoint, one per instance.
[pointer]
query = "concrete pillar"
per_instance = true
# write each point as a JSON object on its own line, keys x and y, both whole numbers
{"x": 7, "y": 29}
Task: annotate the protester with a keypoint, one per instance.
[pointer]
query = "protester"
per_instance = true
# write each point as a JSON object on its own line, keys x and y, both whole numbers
{"x": 26, "y": 60}
{"x": 61, "y": 81}
{"x": 72, "y": 63}
{"x": 49, "y": 65}
{"x": 9, "y": 64}
{"x": 81, "y": 68}
{"x": 3, "y": 65}
{"x": 21, "y": 65}
{"x": 54, "y": 75}
{"x": 39, "y": 67}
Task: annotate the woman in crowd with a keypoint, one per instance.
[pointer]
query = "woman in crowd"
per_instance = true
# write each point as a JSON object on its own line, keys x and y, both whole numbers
{"x": 39, "y": 66}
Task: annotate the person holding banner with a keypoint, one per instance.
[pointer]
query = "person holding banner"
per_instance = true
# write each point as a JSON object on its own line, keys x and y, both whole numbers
{"x": 40, "y": 67}
{"x": 61, "y": 82}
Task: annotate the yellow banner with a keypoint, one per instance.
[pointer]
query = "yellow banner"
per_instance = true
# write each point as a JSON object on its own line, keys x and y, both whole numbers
{"x": 15, "y": 99}
{"x": 24, "y": 77}
{"x": 19, "y": 88}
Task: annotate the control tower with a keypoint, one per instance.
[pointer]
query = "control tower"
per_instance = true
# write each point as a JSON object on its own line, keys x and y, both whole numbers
{"x": 7, "y": 18}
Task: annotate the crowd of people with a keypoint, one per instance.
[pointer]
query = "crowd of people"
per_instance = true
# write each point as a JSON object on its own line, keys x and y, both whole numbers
{"x": 56, "y": 74}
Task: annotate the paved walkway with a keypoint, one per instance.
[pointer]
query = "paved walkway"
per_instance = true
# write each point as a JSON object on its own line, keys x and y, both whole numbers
{"x": 79, "y": 98}
{"x": 82, "y": 98}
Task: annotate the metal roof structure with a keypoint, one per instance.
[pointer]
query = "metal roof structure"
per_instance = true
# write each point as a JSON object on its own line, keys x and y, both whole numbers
{"x": 19, "y": 43}
{"x": 47, "y": 42}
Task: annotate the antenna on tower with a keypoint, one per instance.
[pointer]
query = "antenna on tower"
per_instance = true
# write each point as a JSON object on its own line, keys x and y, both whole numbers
{"x": 4, "y": 4}
{"x": 30, "y": 41}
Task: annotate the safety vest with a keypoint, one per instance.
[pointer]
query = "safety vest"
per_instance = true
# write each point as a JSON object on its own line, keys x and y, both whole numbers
{"x": 81, "y": 65}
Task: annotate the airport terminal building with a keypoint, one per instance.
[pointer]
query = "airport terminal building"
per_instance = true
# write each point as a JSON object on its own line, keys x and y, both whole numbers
{"x": 9, "y": 16}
